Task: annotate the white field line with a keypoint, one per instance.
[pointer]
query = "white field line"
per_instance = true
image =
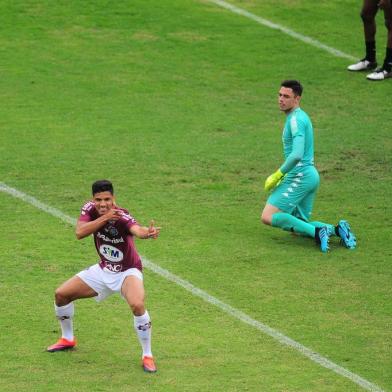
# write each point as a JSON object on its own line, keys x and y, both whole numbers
{"x": 285, "y": 30}
{"x": 315, "y": 357}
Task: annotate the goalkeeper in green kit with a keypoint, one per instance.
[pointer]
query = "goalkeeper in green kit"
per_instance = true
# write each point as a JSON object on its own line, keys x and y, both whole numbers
{"x": 295, "y": 183}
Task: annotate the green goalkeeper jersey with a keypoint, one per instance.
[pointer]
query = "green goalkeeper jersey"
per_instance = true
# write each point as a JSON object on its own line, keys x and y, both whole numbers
{"x": 297, "y": 142}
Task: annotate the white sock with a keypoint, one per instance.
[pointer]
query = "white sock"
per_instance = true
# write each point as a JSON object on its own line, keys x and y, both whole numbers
{"x": 143, "y": 329}
{"x": 65, "y": 314}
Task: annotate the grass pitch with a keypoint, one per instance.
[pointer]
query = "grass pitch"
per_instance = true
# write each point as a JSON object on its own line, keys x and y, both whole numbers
{"x": 175, "y": 102}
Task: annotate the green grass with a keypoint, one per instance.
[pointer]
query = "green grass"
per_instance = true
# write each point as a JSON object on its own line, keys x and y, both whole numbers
{"x": 175, "y": 102}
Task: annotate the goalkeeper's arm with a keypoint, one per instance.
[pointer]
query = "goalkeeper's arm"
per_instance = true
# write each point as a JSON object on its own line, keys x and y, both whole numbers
{"x": 294, "y": 157}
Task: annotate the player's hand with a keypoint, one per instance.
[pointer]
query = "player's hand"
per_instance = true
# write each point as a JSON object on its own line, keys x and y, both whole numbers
{"x": 113, "y": 214}
{"x": 153, "y": 232}
{"x": 273, "y": 180}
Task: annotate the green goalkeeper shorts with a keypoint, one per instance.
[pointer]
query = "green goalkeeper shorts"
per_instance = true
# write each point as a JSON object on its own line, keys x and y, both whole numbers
{"x": 296, "y": 193}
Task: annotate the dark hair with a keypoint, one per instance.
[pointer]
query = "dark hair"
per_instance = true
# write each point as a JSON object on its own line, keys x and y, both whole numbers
{"x": 295, "y": 85}
{"x": 102, "y": 186}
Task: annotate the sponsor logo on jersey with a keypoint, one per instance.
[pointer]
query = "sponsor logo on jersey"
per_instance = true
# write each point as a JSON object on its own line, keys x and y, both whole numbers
{"x": 113, "y": 267}
{"x": 111, "y": 253}
{"x": 107, "y": 239}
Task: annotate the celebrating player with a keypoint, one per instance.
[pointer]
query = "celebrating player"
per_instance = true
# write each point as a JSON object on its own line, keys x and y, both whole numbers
{"x": 118, "y": 271}
{"x": 295, "y": 183}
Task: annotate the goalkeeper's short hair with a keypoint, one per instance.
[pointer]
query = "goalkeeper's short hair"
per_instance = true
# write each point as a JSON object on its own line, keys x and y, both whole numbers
{"x": 295, "y": 85}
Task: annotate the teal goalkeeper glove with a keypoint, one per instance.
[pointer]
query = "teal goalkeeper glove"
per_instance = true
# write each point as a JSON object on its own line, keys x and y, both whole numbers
{"x": 273, "y": 180}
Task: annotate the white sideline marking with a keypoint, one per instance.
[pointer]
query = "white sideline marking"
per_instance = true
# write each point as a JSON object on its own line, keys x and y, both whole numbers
{"x": 315, "y": 357}
{"x": 285, "y": 30}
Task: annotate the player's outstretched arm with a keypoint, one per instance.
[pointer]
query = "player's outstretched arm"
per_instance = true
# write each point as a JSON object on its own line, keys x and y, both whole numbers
{"x": 144, "y": 232}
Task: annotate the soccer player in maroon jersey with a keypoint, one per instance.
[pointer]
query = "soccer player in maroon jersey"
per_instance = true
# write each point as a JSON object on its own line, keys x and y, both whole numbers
{"x": 119, "y": 269}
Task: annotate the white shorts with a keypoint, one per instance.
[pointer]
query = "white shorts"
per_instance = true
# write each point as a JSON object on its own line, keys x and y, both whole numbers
{"x": 106, "y": 283}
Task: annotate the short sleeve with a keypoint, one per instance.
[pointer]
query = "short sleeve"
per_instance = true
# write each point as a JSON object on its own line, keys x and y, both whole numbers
{"x": 86, "y": 212}
{"x": 128, "y": 219}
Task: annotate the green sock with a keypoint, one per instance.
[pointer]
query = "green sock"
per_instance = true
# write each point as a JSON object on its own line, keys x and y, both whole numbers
{"x": 322, "y": 224}
{"x": 291, "y": 223}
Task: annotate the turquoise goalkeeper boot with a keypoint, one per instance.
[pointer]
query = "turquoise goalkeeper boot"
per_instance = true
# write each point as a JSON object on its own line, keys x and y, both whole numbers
{"x": 323, "y": 235}
{"x": 347, "y": 237}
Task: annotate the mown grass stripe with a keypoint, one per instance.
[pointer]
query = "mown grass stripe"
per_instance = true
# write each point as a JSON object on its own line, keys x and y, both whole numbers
{"x": 283, "y": 29}
{"x": 281, "y": 338}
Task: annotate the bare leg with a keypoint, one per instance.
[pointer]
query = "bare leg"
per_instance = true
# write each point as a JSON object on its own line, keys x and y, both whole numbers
{"x": 268, "y": 211}
{"x": 368, "y": 14}
{"x": 388, "y": 24}
{"x": 71, "y": 290}
{"x": 133, "y": 291}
